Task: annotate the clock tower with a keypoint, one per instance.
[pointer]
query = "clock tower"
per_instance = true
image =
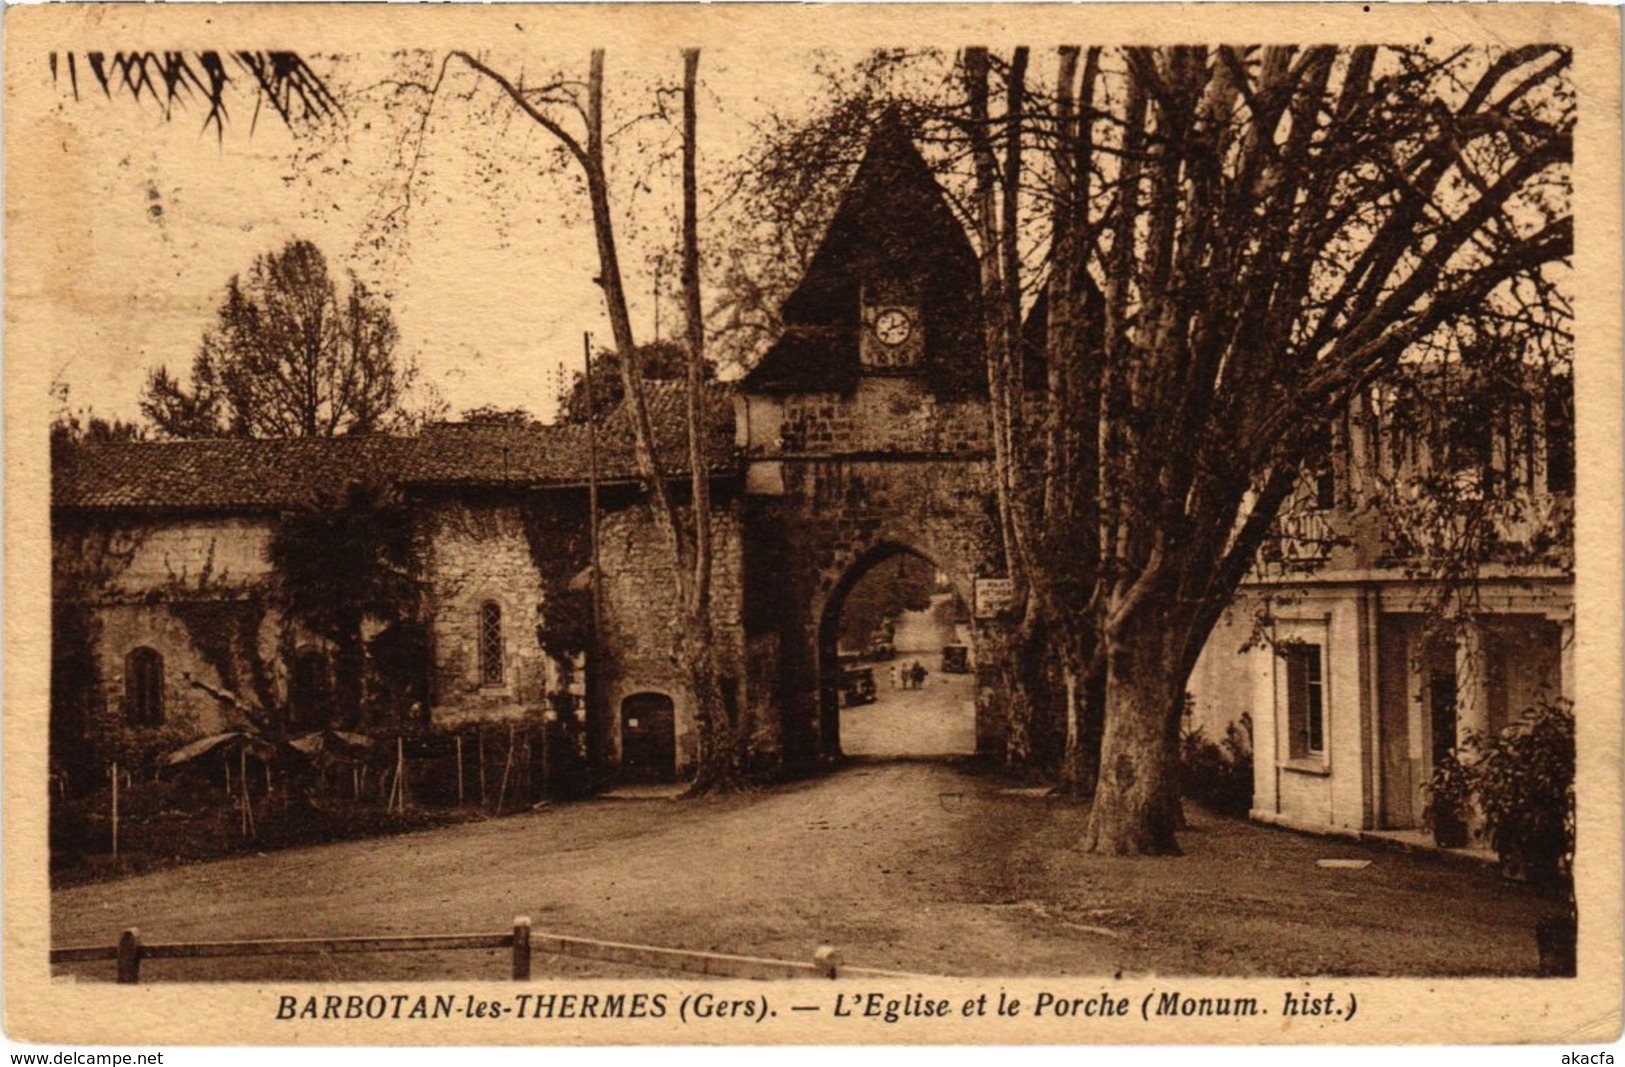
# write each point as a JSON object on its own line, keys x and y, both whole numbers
{"x": 893, "y": 291}
{"x": 892, "y": 337}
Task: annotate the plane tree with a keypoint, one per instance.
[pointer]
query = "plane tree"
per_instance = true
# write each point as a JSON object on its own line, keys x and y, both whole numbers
{"x": 1242, "y": 241}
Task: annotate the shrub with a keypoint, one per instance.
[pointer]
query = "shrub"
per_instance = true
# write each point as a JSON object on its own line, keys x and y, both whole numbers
{"x": 1450, "y": 796}
{"x": 1219, "y": 775}
{"x": 1523, "y": 778}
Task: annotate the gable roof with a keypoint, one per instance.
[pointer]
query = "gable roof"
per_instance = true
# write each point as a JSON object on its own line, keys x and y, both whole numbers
{"x": 273, "y": 473}
{"x": 893, "y": 225}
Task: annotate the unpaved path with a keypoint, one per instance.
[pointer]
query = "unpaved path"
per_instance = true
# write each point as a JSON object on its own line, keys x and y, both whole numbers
{"x": 938, "y": 719}
{"x": 917, "y": 866}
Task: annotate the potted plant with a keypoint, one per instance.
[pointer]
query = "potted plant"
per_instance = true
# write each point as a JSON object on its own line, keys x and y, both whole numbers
{"x": 1525, "y": 787}
{"x": 1449, "y": 793}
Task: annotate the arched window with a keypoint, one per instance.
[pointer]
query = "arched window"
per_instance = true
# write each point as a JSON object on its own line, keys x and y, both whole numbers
{"x": 144, "y": 688}
{"x": 308, "y": 690}
{"x": 490, "y": 643}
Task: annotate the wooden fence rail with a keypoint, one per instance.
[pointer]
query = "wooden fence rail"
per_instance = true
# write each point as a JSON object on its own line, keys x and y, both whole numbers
{"x": 130, "y": 951}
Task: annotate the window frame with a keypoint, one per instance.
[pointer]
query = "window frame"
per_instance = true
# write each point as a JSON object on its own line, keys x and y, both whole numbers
{"x": 491, "y": 645}
{"x": 1306, "y": 701}
{"x": 144, "y": 687}
{"x": 1299, "y": 645}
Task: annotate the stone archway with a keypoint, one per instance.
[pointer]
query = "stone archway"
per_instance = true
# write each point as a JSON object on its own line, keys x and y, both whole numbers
{"x": 821, "y": 526}
{"x": 831, "y": 667}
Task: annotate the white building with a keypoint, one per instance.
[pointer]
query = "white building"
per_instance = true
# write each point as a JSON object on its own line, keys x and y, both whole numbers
{"x": 1358, "y": 667}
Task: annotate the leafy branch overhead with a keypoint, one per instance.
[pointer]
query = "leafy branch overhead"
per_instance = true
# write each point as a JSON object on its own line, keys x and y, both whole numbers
{"x": 171, "y": 79}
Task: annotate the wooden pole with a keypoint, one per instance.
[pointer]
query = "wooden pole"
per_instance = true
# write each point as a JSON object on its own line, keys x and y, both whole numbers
{"x": 459, "y": 770}
{"x": 248, "y": 802}
{"x": 521, "y": 949}
{"x": 400, "y": 773}
{"x": 828, "y": 961}
{"x": 115, "y": 808}
{"x": 479, "y": 736}
{"x": 129, "y": 957}
{"x": 507, "y": 766}
{"x": 590, "y": 718}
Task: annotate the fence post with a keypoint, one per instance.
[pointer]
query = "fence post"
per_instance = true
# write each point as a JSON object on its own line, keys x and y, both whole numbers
{"x": 521, "y": 949}
{"x": 114, "y": 775}
{"x": 129, "y": 957}
{"x": 828, "y": 961}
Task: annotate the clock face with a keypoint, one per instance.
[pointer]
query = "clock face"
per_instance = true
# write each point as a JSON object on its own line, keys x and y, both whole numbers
{"x": 893, "y": 326}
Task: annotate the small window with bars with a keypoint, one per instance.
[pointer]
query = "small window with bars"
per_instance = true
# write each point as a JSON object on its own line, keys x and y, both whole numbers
{"x": 491, "y": 643}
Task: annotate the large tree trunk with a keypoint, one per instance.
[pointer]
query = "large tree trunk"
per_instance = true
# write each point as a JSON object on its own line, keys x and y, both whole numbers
{"x": 1018, "y": 655}
{"x": 723, "y": 733}
{"x": 1136, "y": 808}
{"x": 720, "y": 766}
{"x": 1085, "y": 719}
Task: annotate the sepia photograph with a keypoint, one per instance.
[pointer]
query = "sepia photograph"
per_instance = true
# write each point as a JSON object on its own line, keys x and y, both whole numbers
{"x": 801, "y": 524}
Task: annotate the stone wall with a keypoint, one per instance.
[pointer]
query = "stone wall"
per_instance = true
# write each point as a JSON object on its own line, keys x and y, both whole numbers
{"x": 825, "y": 524}
{"x": 641, "y": 611}
{"x": 202, "y": 553}
{"x": 213, "y": 642}
{"x": 195, "y": 590}
{"x": 190, "y": 588}
{"x": 883, "y": 414}
{"x": 479, "y": 554}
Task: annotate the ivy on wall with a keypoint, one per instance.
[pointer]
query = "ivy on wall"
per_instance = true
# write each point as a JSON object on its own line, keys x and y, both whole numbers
{"x": 559, "y": 537}
{"x": 226, "y": 634}
{"x": 87, "y": 557}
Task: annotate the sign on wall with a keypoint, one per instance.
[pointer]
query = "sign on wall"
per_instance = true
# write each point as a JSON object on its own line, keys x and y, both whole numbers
{"x": 992, "y": 596}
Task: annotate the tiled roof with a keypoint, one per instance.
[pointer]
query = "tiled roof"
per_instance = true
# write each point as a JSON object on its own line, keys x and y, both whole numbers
{"x": 808, "y": 359}
{"x": 248, "y": 473}
{"x": 223, "y": 473}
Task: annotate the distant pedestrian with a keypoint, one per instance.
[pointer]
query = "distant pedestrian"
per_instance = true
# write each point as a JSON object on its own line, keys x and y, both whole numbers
{"x": 895, "y": 675}
{"x": 917, "y": 674}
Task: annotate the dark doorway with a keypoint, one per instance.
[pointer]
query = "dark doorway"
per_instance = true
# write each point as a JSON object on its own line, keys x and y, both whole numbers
{"x": 648, "y": 738}
{"x": 1442, "y": 712}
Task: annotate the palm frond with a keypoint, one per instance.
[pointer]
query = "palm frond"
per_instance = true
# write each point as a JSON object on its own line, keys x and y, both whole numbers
{"x": 174, "y": 79}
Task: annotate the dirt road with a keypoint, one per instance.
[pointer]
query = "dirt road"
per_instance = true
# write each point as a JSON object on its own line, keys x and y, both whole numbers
{"x": 917, "y": 866}
{"x": 938, "y": 719}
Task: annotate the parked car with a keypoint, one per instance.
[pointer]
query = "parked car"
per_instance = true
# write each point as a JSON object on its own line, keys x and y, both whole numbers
{"x": 955, "y": 659}
{"x": 858, "y": 685}
{"x": 881, "y": 647}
